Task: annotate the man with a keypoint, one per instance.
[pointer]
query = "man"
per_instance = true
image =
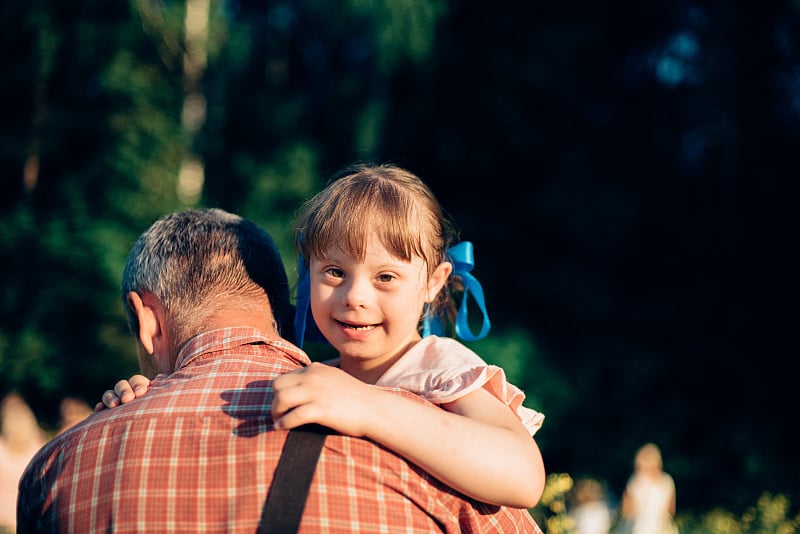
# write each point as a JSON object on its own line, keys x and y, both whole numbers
{"x": 206, "y": 293}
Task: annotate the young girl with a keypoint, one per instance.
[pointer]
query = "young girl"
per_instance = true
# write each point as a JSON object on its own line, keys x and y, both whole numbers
{"x": 375, "y": 244}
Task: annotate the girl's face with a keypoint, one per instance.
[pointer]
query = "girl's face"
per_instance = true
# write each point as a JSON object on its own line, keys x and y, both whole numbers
{"x": 369, "y": 311}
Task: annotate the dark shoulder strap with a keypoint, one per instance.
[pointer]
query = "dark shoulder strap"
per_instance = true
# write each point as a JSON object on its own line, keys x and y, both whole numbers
{"x": 286, "y": 498}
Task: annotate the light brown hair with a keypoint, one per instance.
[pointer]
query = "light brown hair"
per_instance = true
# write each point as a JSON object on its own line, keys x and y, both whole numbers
{"x": 365, "y": 198}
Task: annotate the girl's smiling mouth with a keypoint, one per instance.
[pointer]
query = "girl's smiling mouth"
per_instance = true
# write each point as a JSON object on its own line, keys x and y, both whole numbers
{"x": 357, "y": 327}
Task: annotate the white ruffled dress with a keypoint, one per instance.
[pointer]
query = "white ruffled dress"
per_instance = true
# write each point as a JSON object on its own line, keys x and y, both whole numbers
{"x": 441, "y": 370}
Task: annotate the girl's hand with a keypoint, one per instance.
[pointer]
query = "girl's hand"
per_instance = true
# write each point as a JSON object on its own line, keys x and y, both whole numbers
{"x": 324, "y": 395}
{"x": 124, "y": 392}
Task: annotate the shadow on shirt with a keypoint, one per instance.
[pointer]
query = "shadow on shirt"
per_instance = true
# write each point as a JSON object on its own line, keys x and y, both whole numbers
{"x": 252, "y": 406}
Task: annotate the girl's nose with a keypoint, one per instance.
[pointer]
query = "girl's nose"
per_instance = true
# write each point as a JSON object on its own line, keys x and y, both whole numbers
{"x": 355, "y": 293}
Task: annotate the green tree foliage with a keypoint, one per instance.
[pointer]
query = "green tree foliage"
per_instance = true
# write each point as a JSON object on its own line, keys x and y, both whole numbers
{"x": 99, "y": 145}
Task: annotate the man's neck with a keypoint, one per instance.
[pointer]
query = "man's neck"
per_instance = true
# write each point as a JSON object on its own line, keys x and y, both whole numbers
{"x": 227, "y": 318}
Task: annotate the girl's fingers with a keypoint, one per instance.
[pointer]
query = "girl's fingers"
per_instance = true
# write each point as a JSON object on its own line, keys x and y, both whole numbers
{"x": 110, "y": 399}
{"x": 140, "y": 384}
{"x": 124, "y": 391}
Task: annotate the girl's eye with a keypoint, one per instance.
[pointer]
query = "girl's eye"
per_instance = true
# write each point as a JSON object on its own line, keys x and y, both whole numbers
{"x": 385, "y": 277}
{"x": 334, "y": 272}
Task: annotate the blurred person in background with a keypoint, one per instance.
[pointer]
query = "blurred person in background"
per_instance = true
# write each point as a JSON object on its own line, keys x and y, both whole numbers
{"x": 648, "y": 503}
{"x": 20, "y": 438}
{"x": 73, "y": 411}
{"x": 590, "y": 511}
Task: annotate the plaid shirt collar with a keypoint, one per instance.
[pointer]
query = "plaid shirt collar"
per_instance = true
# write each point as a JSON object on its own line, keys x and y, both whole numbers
{"x": 232, "y": 337}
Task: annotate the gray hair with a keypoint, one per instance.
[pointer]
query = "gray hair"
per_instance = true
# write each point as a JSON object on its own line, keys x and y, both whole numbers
{"x": 196, "y": 260}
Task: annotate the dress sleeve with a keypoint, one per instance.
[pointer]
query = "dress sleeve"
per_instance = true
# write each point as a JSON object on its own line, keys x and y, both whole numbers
{"x": 443, "y": 370}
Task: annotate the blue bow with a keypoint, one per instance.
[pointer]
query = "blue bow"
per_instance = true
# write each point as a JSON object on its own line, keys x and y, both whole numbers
{"x": 462, "y": 257}
{"x": 302, "y": 312}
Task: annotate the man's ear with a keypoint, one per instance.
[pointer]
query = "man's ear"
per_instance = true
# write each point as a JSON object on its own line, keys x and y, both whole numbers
{"x": 146, "y": 308}
{"x": 438, "y": 279}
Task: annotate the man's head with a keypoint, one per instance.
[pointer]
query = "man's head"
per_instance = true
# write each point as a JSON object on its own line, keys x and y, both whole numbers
{"x": 200, "y": 269}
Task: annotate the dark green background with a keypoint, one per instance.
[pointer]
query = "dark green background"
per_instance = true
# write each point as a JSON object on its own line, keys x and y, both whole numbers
{"x": 625, "y": 172}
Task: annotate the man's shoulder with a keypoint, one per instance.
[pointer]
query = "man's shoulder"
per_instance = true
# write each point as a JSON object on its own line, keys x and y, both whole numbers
{"x": 38, "y": 473}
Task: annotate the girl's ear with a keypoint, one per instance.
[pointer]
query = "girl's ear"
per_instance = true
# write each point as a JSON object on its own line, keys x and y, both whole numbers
{"x": 147, "y": 315}
{"x": 438, "y": 279}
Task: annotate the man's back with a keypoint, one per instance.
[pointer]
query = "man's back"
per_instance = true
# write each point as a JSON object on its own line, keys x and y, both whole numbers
{"x": 198, "y": 452}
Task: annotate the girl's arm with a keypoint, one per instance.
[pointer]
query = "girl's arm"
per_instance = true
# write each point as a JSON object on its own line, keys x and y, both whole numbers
{"x": 477, "y": 445}
{"x": 124, "y": 391}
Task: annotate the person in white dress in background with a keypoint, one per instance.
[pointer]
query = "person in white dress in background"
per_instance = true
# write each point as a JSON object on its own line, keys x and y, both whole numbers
{"x": 590, "y": 512}
{"x": 648, "y": 502}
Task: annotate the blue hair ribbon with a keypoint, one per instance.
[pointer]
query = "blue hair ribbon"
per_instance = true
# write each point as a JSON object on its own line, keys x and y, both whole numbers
{"x": 462, "y": 257}
{"x": 302, "y": 312}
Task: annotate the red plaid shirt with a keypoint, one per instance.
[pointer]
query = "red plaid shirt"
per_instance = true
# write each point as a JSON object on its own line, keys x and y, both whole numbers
{"x": 197, "y": 454}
